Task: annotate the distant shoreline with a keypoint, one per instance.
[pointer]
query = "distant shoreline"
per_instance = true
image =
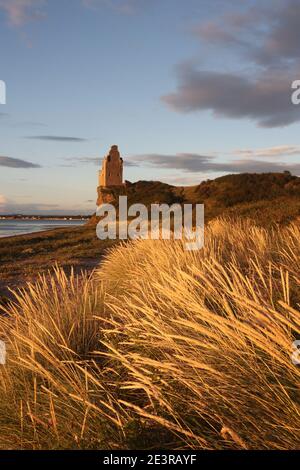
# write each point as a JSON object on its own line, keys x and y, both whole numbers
{"x": 21, "y": 227}
{"x": 23, "y": 257}
{"x": 33, "y": 217}
{"x": 40, "y": 232}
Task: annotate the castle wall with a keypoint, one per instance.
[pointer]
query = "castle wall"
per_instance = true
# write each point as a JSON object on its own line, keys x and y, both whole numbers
{"x": 112, "y": 169}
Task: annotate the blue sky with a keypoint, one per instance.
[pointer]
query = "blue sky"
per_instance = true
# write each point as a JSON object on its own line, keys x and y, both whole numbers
{"x": 189, "y": 90}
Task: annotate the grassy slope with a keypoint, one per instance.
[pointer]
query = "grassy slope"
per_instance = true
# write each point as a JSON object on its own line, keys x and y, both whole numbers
{"x": 267, "y": 198}
{"x": 162, "y": 348}
{"x": 264, "y": 198}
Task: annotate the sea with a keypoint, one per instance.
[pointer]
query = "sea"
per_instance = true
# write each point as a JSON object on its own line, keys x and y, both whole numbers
{"x": 12, "y": 227}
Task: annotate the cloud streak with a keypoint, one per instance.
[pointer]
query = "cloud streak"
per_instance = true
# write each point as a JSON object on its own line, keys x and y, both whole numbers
{"x": 190, "y": 162}
{"x": 10, "y": 206}
{"x": 10, "y": 162}
{"x": 268, "y": 40}
{"x": 265, "y": 34}
{"x": 279, "y": 151}
{"x": 56, "y": 138}
{"x": 74, "y": 161}
{"x": 266, "y": 100}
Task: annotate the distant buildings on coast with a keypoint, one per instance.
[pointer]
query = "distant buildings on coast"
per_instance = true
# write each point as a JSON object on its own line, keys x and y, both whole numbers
{"x": 43, "y": 217}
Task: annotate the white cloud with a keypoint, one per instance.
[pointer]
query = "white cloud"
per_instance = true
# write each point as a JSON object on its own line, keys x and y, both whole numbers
{"x": 279, "y": 151}
{"x": 199, "y": 163}
{"x": 21, "y": 11}
{"x": 2, "y": 200}
{"x": 264, "y": 41}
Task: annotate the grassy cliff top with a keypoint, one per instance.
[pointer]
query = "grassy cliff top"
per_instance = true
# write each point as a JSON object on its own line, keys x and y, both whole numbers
{"x": 265, "y": 198}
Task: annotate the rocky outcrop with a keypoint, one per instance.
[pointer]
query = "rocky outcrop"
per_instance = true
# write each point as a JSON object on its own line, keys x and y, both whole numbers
{"x": 110, "y": 195}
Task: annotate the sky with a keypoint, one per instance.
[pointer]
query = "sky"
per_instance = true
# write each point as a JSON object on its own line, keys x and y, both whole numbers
{"x": 189, "y": 90}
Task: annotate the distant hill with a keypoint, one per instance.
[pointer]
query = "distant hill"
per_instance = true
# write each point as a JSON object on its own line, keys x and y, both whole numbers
{"x": 267, "y": 198}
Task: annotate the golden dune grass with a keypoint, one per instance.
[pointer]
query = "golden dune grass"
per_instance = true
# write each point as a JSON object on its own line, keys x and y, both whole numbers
{"x": 160, "y": 348}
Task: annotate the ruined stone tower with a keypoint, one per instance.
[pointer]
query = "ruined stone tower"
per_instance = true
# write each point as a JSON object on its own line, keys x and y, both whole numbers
{"x": 110, "y": 183}
{"x": 112, "y": 169}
